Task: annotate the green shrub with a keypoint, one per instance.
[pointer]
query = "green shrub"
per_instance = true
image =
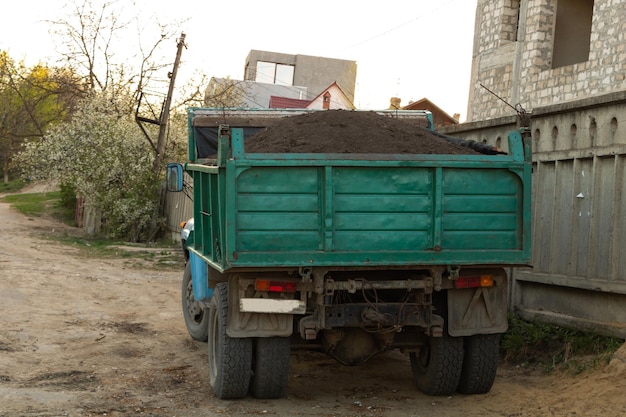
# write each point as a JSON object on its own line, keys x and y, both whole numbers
{"x": 68, "y": 196}
{"x": 12, "y": 186}
{"x": 538, "y": 344}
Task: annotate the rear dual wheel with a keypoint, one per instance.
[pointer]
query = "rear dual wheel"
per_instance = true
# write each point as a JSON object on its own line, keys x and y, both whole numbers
{"x": 230, "y": 359}
{"x": 239, "y": 365}
{"x": 270, "y": 367}
{"x": 445, "y": 365}
{"x": 480, "y": 363}
{"x": 437, "y": 365}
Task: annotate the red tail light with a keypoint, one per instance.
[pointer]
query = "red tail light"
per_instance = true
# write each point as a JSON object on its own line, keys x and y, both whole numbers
{"x": 474, "y": 281}
{"x": 266, "y": 285}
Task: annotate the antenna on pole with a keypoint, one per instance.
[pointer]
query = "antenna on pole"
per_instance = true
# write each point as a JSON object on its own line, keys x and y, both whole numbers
{"x": 524, "y": 119}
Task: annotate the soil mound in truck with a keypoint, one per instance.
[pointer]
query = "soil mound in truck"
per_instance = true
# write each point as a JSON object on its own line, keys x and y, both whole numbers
{"x": 346, "y": 131}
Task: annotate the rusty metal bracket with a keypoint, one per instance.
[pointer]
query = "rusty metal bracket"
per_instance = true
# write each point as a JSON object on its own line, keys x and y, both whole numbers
{"x": 453, "y": 272}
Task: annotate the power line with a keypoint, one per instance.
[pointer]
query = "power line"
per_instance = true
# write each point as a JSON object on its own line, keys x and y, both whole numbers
{"x": 402, "y": 25}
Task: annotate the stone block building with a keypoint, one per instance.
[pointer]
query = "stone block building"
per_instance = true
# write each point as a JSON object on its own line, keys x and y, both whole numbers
{"x": 537, "y": 53}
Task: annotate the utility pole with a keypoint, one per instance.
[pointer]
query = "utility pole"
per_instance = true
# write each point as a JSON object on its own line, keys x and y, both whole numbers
{"x": 165, "y": 114}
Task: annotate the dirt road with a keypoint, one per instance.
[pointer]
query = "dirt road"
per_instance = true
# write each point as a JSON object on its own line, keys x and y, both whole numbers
{"x": 83, "y": 336}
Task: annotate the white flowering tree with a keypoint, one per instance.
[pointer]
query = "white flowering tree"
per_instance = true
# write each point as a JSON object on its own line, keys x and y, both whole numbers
{"x": 101, "y": 153}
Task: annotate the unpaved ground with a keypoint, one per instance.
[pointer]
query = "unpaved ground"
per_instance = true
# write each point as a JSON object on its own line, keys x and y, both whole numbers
{"x": 96, "y": 337}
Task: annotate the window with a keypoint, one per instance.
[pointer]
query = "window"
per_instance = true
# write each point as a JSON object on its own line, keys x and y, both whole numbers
{"x": 273, "y": 73}
{"x": 572, "y": 32}
{"x": 510, "y": 20}
{"x": 516, "y": 16}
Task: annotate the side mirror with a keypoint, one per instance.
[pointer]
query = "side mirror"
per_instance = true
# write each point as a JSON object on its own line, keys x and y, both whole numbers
{"x": 174, "y": 175}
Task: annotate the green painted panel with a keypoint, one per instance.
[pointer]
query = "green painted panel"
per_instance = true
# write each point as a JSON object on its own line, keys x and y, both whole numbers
{"x": 383, "y": 203}
{"x": 277, "y": 202}
{"x": 381, "y": 221}
{"x": 277, "y": 244}
{"x": 482, "y": 203}
{"x": 480, "y": 181}
{"x": 202, "y": 212}
{"x": 482, "y": 240}
{"x": 382, "y": 180}
{"x": 375, "y": 241}
{"x": 382, "y": 208}
{"x": 288, "y": 180}
{"x": 470, "y": 222}
{"x": 277, "y": 221}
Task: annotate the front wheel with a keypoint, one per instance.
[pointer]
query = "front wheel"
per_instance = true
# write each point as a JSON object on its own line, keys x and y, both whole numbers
{"x": 196, "y": 316}
{"x": 437, "y": 365}
{"x": 230, "y": 359}
{"x": 480, "y": 363}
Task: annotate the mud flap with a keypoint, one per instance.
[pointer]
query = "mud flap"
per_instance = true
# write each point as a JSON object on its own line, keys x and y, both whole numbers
{"x": 478, "y": 310}
{"x": 242, "y": 324}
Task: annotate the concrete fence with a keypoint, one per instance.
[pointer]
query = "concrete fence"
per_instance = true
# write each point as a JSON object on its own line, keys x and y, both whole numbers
{"x": 579, "y": 213}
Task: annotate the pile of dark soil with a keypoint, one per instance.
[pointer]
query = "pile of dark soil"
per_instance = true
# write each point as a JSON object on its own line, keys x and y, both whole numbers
{"x": 345, "y": 131}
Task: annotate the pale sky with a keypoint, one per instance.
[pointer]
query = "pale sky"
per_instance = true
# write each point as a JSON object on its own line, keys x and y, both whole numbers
{"x": 404, "y": 48}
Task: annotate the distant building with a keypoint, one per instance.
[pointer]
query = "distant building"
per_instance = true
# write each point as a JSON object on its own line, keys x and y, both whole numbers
{"x": 251, "y": 94}
{"x": 272, "y": 80}
{"x": 440, "y": 117}
{"x": 331, "y": 98}
{"x": 313, "y": 72}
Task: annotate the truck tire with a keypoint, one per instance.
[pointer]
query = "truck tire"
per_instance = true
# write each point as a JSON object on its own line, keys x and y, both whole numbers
{"x": 437, "y": 365}
{"x": 196, "y": 316}
{"x": 270, "y": 367}
{"x": 480, "y": 363}
{"x": 230, "y": 359}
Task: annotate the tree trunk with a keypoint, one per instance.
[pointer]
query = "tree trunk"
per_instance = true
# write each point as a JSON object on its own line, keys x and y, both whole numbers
{"x": 5, "y": 169}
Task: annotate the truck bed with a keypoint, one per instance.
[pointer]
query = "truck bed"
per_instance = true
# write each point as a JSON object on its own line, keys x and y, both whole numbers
{"x": 360, "y": 210}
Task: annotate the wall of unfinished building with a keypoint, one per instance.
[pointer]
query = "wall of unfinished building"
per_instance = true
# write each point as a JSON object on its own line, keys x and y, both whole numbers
{"x": 537, "y": 53}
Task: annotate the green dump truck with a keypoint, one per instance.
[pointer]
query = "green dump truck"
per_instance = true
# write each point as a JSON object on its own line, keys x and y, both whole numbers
{"x": 348, "y": 254}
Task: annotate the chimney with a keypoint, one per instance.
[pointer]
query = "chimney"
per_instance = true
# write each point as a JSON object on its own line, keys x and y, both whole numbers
{"x": 326, "y": 101}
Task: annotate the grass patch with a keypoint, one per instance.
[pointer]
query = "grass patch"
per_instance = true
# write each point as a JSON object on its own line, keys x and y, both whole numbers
{"x": 40, "y": 205}
{"x": 55, "y": 205}
{"x": 12, "y": 186}
{"x": 162, "y": 255}
{"x": 549, "y": 347}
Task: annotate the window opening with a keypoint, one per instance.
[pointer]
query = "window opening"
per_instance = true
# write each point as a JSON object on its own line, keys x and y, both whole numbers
{"x": 274, "y": 73}
{"x": 572, "y": 32}
{"x": 510, "y": 20}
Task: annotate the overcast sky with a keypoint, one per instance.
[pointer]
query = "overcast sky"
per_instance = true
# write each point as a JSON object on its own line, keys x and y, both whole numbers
{"x": 404, "y": 48}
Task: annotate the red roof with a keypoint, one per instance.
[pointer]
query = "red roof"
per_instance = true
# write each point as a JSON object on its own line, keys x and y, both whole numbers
{"x": 287, "y": 103}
